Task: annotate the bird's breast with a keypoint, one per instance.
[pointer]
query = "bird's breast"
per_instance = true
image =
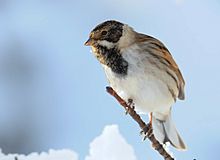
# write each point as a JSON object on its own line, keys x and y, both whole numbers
{"x": 112, "y": 58}
{"x": 149, "y": 93}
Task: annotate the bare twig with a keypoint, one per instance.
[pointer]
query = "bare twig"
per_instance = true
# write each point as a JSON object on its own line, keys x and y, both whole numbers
{"x": 145, "y": 127}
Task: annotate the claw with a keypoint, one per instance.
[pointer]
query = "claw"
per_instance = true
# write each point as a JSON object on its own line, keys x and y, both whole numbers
{"x": 130, "y": 104}
{"x": 146, "y": 129}
{"x": 146, "y": 132}
{"x": 126, "y": 111}
{"x": 144, "y": 138}
{"x": 130, "y": 101}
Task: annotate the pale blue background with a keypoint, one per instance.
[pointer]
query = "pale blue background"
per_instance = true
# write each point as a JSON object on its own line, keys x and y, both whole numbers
{"x": 52, "y": 89}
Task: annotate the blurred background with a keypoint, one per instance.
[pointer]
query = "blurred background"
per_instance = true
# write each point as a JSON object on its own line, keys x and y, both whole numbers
{"x": 52, "y": 89}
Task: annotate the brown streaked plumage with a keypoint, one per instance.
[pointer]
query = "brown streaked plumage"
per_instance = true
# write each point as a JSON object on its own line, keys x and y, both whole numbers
{"x": 161, "y": 51}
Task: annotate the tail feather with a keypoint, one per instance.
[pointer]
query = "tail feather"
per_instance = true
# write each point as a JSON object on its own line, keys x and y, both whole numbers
{"x": 165, "y": 131}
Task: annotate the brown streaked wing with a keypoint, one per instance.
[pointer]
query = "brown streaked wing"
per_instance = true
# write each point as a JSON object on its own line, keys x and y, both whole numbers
{"x": 164, "y": 53}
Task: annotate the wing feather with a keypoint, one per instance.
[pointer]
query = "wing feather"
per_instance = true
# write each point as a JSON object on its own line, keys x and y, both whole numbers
{"x": 162, "y": 52}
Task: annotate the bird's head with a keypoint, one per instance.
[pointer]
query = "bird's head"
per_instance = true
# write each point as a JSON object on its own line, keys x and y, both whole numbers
{"x": 109, "y": 34}
{"x": 105, "y": 34}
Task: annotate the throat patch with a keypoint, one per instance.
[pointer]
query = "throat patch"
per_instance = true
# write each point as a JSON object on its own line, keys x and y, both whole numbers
{"x": 113, "y": 59}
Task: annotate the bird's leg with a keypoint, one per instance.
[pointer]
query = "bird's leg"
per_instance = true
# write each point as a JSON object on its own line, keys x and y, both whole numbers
{"x": 147, "y": 131}
{"x": 130, "y": 103}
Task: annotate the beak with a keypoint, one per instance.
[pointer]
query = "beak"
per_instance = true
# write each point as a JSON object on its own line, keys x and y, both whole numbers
{"x": 89, "y": 42}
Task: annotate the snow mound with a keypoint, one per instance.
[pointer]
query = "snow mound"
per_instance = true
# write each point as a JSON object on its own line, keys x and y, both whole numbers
{"x": 64, "y": 154}
{"x": 110, "y": 145}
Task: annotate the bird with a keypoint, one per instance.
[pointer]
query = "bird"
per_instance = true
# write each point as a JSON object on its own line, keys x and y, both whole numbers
{"x": 140, "y": 68}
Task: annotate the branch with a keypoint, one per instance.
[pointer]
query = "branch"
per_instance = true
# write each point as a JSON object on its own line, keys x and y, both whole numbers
{"x": 145, "y": 127}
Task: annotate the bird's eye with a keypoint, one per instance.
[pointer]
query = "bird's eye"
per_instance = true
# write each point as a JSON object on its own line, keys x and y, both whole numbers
{"x": 104, "y": 33}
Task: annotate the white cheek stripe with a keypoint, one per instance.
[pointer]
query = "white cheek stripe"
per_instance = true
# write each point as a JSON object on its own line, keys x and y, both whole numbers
{"x": 106, "y": 44}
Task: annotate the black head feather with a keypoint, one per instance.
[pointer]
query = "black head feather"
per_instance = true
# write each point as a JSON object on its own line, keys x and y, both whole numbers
{"x": 109, "y": 30}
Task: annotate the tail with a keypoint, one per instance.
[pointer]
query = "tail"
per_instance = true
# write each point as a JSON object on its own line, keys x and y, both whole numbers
{"x": 165, "y": 131}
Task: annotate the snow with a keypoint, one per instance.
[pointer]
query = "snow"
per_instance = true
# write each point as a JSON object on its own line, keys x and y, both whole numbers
{"x": 64, "y": 154}
{"x": 110, "y": 145}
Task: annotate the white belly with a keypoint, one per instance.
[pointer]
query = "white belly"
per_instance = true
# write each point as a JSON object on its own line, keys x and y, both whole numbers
{"x": 148, "y": 92}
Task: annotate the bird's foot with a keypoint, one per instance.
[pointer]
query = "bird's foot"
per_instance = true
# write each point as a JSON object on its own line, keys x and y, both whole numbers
{"x": 147, "y": 131}
{"x": 130, "y": 103}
